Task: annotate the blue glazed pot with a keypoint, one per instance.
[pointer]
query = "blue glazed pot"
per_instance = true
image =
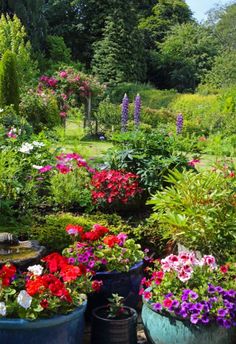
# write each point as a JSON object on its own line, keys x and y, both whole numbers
{"x": 125, "y": 284}
{"x": 62, "y": 329}
{"x": 161, "y": 329}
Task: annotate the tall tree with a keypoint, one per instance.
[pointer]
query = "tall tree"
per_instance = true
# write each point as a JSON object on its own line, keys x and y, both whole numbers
{"x": 165, "y": 14}
{"x": 185, "y": 56}
{"x": 119, "y": 55}
{"x": 32, "y": 17}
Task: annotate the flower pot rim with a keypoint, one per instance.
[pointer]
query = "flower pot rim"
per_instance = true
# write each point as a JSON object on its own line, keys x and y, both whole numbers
{"x": 18, "y": 323}
{"x": 114, "y": 272}
{"x": 133, "y": 315}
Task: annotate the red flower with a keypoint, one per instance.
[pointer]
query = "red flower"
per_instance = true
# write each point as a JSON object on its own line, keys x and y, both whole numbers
{"x": 224, "y": 268}
{"x": 44, "y": 303}
{"x": 96, "y": 285}
{"x": 167, "y": 303}
{"x": 7, "y": 272}
{"x": 111, "y": 240}
{"x": 74, "y": 230}
{"x": 70, "y": 273}
{"x": 55, "y": 262}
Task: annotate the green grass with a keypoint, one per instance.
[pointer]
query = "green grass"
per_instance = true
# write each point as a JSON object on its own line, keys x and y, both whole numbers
{"x": 70, "y": 141}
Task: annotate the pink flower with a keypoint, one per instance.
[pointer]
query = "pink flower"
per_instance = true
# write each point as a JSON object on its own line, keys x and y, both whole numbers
{"x": 63, "y": 114}
{"x": 184, "y": 275}
{"x": 45, "y": 169}
{"x": 63, "y": 74}
{"x": 193, "y": 162}
{"x": 147, "y": 295}
{"x": 209, "y": 260}
{"x": 63, "y": 168}
{"x": 167, "y": 303}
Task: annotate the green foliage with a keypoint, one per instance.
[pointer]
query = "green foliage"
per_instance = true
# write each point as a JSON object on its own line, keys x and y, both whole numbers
{"x": 9, "y": 119}
{"x": 32, "y": 16}
{"x": 151, "y": 97}
{"x": 165, "y": 14}
{"x": 223, "y": 72}
{"x": 52, "y": 234}
{"x": 221, "y": 20}
{"x": 41, "y": 110}
{"x": 186, "y": 54}
{"x": 9, "y": 86}
{"x": 150, "y": 155}
{"x": 198, "y": 211}
{"x": 119, "y": 55}
{"x": 57, "y": 49}
{"x": 13, "y": 37}
{"x": 71, "y": 191}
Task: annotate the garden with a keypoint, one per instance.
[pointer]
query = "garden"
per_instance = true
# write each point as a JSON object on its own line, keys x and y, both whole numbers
{"x": 117, "y": 174}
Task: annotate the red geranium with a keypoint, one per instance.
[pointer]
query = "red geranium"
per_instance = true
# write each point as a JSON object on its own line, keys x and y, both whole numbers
{"x": 7, "y": 272}
{"x": 55, "y": 262}
{"x": 111, "y": 240}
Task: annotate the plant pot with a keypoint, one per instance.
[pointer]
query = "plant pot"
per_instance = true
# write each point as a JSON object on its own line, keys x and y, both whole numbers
{"x": 62, "y": 329}
{"x": 161, "y": 329}
{"x": 125, "y": 284}
{"x": 114, "y": 331}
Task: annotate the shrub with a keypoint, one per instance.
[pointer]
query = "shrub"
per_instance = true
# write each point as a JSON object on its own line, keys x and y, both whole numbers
{"x": 52, "y": 234}
{"x": 71, "y": 191}
{"x": 9, "y": 87}
{"x": 13, "y": 37}
{"x": 149, "y": 155}
{"x": 198, "y": 211}
{"x": 41, "y": 110}
{"x": 57, "y": 49}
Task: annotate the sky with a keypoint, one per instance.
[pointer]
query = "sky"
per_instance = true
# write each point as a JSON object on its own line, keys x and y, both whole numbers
{"x": 200, "y": 7}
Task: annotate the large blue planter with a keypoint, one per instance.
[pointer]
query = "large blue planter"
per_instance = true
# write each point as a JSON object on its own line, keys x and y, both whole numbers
{"x": 160, "y": 329}
{"x": 62, "y": 329}
{"x": 125, "y": 284}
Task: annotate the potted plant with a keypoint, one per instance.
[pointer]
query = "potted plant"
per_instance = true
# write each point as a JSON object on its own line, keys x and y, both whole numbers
{"x": 114, "y": 258}
{"x": 190, "y": 300}
{"x": 114, "y": 323}
{"x": 44, "y": 304}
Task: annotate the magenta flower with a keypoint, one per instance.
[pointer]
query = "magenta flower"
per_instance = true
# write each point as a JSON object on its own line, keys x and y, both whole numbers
{"x": 45, "y": 169}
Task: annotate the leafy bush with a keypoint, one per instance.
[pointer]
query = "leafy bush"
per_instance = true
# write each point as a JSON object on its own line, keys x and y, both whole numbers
{"x": 71, "y": 191}
{"x": 52, "y": 234}
{"x": 198, "y": 211}
{"x": 13, "y": 37}
{"x": 149, "y": 155}
{"x": 41, "y": 110}
{"x": 57, "y": 49}
{"x": 9, "y": 86}
{"x": 151, "y": 97}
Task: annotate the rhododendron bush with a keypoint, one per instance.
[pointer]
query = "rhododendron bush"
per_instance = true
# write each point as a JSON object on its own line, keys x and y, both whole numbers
{"x": 197, "y": 289}
{"x": 101, "y": 249}
{"x": 55, "y": 287}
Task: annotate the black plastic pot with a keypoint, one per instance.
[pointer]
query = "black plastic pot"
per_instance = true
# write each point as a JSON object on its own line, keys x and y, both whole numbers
{"x": 114, "y": 331}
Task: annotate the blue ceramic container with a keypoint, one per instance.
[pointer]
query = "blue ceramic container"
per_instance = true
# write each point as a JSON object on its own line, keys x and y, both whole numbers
{"x": 125, "y": 284}
{"x": 160, "y": 329}
{"x": 62, "y": 329}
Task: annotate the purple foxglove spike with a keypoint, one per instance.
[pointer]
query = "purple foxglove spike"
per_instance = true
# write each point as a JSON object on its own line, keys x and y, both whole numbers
{"x": 179, "y": 123}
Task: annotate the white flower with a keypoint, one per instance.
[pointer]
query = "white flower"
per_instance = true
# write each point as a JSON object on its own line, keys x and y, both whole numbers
{"x": 24, "y": 299}
{"x": 37, "y": 167}
{"x": 1, "y": 110}
{"x": 36, "y": 269}
{"x": 38, "y": 144}
{"x": 3, "y": 309}
{"x": 26, "y": 148}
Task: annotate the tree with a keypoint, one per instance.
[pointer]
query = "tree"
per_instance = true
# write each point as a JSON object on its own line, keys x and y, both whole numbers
{"x": 165, "y": 14}
{"x": 222, "y": 21}
{"x": 32, "y": 17}
{"x": 119, "y": 55}
{"x": 185, "y": 56}
{"x": 9, "y": 86}
{"x": 13, "y": 37}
